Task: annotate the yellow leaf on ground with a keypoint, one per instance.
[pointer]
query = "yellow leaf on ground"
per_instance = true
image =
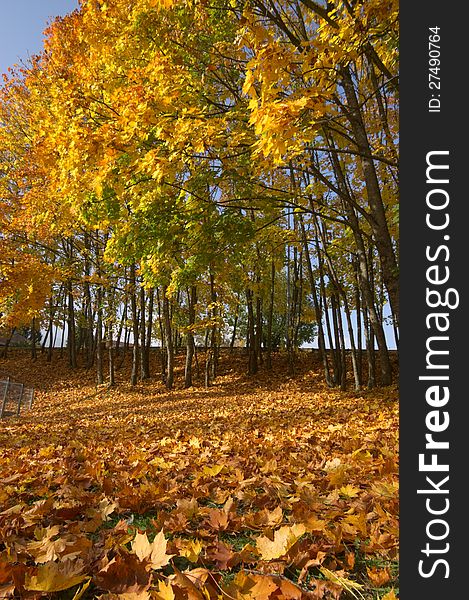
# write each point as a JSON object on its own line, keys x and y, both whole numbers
{"x": 55, "y": 577}
{"x": 191, "y": 549}
{"x": 165, "y": 591}
{"x": 284, "y": 538}
{"x": 154, "y": 553}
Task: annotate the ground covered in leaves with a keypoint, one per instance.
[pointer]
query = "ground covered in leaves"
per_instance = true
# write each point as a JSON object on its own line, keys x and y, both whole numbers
{"x": 263, "y": 488}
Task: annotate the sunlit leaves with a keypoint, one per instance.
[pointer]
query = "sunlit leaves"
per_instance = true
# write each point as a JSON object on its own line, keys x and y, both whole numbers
{"x": 55, "y": 577}
{"x": 149, "y": 493}
{"x": 284, "y": 538}
{"x": 154, "y": 554}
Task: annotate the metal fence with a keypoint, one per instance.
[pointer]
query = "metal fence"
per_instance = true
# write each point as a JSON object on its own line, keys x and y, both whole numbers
{"x": 13, "y": 397}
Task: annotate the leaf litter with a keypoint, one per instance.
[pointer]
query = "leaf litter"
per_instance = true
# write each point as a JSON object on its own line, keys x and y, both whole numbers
{"x": 268, "y": 488}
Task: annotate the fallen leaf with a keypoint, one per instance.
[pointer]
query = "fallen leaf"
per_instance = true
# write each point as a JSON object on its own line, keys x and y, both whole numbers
{"x": 154, "y": 553}
{"x": 379, "y": 577}
{"x": 55, "y": 577}
{"x": 284, "y": 538}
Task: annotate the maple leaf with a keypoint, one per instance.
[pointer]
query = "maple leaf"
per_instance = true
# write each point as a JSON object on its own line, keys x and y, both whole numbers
{"x": 189, "y": 508}
{"x": 192, "y": 582}
{"x": 263, "y": 588}
{"x": 191, "y": 549}
{"x": 213, "y": 471}
{"x": 379, "y": 577}
{"x": 123, "y": 575}
{"x": 165, "y": 591}
{"x": 218, "y": 518}
{"x": 155, "y": 553}
{"x": 55, "y": 577}
{"x": 284, "y": 538}
{"x": 289, "y": 590}
{"x": 265, "y": 518}
{"x": 45, "y": 548}
{"x": 349, "y": 491}
{"x": 106, "y": 508}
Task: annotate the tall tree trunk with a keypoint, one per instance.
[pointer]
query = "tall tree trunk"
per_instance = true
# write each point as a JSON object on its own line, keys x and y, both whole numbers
{"x": 162, "y": 336}
{"x": 169, "y": 340}
{"x": 259, "y": 328}
{"x": 144, "y": 360}
{"x": 33, "y": 339}
{"x": 233, "y": 333}
{"x": 149, "y": 334}
{"x": 270, "y": 316}
{"x": 251, "y": 335}
{"x": 191, "y": 302}
{"x": 364, "y": 272}
{"x": 212, "y": 351}
{"x": 51, "y": 329}
{"x": 99, "y": 337}
{"x": 378, "y": 221}
{"x": 121, "y": 328}
{"x": 71, "y": 340}
{"x": 358, "y": 310}
{"x": 111, "y": 355}
{"x": 317, "y": 309}
{"x": 135, "y": 323}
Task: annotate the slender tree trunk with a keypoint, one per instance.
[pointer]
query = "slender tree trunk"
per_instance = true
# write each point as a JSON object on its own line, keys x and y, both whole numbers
{"x": 378, "y": 222}
{"x": 169, "y": 341}
{"x": 144, "y": 359}
{"x": 191, "y": 302}
{"x": 353, "y": 349}
{"x": 259, "y": 328}
{"x": 162, "y": 336}
{"x": 233, "y": 333}
{"x": 337, "y": 351}
{"x": 358, "y": 309}
{"x": 251, "y": 335}
{"x": 212, "y": 351}
{"x": 51, "y": 329}
{"x": 149, "y": 334}
{"x": 121, "y": 328}
{"x": 64, "y": 325}
{"x": 135, "y": 323}
{"x": 33, "y": 339}
{"x": 111, "y": 355}
{"x": 364, "y": 273}
{"x": 71, "y": 341}
{"x": 99, "y": 337}
{"x": 317, "y": 310}
{"x": 270, "y": 317}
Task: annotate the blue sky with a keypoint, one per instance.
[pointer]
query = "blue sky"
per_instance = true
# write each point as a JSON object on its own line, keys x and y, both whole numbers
{"x": 21, "y": 25}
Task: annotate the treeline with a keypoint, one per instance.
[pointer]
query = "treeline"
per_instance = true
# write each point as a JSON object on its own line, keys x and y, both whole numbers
{"x": 206, "y": 174}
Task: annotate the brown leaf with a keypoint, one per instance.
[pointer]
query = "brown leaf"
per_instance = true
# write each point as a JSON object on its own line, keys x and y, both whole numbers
{"x": 379, "y": 577}
{"x": 7, "y": 591}
{"x": 123, "y": 575}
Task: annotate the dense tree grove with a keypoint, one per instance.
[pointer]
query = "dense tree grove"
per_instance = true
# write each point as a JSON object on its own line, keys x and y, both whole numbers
{"x": 205, "y": 174}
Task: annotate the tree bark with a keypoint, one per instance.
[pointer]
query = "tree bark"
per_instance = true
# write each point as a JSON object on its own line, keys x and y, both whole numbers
{"x": 169, "y": 380}
{"x": 191, "y": 302}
